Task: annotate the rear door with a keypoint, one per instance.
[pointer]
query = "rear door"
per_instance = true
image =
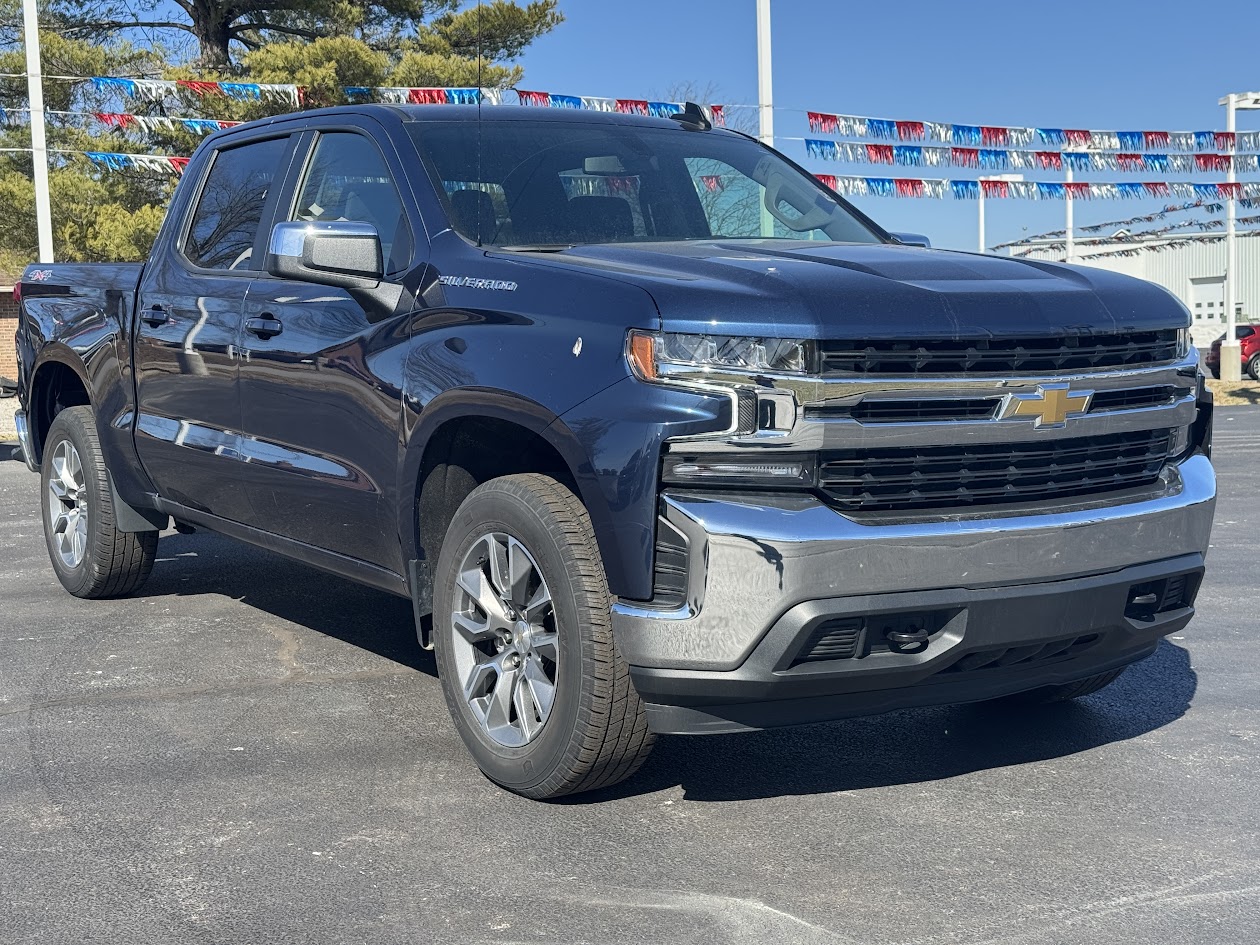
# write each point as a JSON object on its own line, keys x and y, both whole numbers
{"x": 188, "y": 330}
{"x": 320, "y": 376}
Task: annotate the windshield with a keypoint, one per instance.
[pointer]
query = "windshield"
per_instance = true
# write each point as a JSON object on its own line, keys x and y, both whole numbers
{"x": 553, "y": 183}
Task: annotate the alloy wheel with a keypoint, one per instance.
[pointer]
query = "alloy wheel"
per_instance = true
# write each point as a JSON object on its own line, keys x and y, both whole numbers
{"x": 68, "y": 504}
{"x": 504, "y": 640}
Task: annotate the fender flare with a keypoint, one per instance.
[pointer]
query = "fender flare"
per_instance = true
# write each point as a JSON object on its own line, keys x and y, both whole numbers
{"x": 486, "y": 403}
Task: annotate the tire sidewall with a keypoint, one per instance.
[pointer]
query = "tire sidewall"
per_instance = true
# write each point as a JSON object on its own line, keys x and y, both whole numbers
{"x": 67, "y": 427}
{"x": 498, "y": 510}
{"x": 1253, "y": 367}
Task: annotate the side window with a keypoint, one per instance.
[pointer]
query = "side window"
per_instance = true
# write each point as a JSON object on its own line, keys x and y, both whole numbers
{"x": 732, "y": 202}
{"x": 347, "y": 179}
{"x": 225, "y": 223}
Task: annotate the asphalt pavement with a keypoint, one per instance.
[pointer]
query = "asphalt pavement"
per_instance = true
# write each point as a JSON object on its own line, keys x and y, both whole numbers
{"x": 253, "y": 752}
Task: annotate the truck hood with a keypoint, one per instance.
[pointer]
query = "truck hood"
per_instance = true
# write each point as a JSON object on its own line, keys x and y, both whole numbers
{"x": 802, "y": 289}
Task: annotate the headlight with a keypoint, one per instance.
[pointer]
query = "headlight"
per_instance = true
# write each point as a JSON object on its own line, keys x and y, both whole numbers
{"x": 1183, "y": 342}
{"x": 783, "y": 471}
{"x": 653, "y": 354}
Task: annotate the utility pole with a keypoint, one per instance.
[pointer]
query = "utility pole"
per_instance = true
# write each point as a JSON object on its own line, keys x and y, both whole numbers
{"x": 1231, "y": 356}
{"x": 1069, "y": 239}
{"x": 1006, "y": 177}
{"x": 39, "y": 141}
{"x": 765, "y": 97}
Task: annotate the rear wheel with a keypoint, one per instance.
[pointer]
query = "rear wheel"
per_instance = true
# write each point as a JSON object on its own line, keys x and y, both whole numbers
{"x": 1253, "y": 367}
{"x": 90, "y": 556}
{"x": 1068, "y": 691}
{"x": 533, "y": 679}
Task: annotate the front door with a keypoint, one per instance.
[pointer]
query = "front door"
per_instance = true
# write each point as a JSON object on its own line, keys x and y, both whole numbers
{"x": 188, "y": 334}
{"x": 321, "y": 377}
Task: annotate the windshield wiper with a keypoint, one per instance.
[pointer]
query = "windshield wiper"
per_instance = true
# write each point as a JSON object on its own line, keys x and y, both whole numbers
{"x": 537, "y": 247}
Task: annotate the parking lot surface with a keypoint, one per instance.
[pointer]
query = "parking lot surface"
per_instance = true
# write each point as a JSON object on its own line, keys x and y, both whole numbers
{"x": 252, "y": 751}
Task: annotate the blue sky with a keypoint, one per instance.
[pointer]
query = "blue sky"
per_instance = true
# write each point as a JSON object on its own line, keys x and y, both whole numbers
{"x": 1105, "y": 65}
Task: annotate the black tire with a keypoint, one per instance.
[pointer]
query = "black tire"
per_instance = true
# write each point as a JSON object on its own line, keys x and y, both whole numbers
{"x": 1253, "y": 367}
{"x": 1067, "y": 691}
{"x": 596, "y": 733}
{"x": 112, "y": 563}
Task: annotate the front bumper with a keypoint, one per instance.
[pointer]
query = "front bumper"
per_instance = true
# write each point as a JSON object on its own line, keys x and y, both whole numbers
{"x": 764, "y": 573}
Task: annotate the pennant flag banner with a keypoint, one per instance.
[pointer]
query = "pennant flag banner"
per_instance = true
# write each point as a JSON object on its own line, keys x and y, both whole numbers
{"x": 110, "y": 161}
{"x": 425, "y": 96}
{"x": 1000, "y": 136}
{"x": 1116, "y": 224}
{"x": 1031, "y": 190}
{"x": 998, "y": 159}
{"x": 627, "y": 106}
{"x": 124, "y": 121}
{"x": 157, "y": 90}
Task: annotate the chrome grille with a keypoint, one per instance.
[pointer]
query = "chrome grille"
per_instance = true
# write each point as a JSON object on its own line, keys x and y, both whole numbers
{"x": 999, "y": 355}
{"x": 953, "y": 476}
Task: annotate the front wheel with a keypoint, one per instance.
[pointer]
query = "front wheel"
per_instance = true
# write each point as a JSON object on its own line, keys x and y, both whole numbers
{"x": 91, "y": 557}
{"x": 521, "y": 623}
{"x": 1253, "y": 367}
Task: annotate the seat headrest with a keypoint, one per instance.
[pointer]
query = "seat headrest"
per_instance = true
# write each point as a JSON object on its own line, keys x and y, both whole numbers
{"x": 600, "y": 219}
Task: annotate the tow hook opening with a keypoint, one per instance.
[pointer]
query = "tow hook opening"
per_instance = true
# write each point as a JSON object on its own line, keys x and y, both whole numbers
{"x": 1149, "y": 599}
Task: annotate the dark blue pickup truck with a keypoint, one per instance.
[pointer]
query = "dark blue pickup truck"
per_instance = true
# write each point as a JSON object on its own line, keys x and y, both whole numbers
{"x": 658, "y": 434}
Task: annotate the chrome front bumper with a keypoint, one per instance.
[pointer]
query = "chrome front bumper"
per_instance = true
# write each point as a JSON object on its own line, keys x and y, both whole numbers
{"x": 24, "y": 440}
{"x": 754, "y": 558}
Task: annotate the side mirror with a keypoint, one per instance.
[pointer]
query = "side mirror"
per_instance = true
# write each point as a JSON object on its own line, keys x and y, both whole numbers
{"x": 912, "y": 239}
{"x": 341, "y": 254}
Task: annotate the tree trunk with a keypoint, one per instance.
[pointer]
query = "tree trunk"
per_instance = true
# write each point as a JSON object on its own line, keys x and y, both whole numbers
{"x": 210, "y": 27}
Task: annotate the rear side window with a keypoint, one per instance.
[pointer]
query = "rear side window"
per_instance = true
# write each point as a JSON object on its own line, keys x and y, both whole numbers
{"x": 225, "y": 224}
{"x": 348, "y": 179}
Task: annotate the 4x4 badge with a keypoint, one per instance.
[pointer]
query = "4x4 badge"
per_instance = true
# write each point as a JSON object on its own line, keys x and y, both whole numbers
{"x": 1049, "y": 407}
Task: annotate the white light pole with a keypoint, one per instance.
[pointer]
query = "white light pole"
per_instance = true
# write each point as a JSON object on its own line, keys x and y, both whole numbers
{"x": 39, "y": 142}
{"x": 1231, "y": 357}
{"x": 1006, "y": 177}
{"x": 765, "y": 96}
{"x": 1069, "y": 239}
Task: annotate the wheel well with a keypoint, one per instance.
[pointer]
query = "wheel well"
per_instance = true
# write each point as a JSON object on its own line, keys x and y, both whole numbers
{"x": 54, "y": 388}
{"x": 464, "y": 453}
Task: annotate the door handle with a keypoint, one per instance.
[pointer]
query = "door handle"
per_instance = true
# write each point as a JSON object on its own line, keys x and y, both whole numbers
{"x": 154, "y": 316}
{"x": 265, "y": 327}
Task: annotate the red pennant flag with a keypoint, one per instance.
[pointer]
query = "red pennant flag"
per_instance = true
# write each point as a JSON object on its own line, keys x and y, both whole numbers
{"x": 201, "y": 88}
{"x": 1212, "y": 162}
{"x": 829, "y": 180}
{"x": 632, "y": 106}
{"x": 1233, "y": 190}
{"x": 179, "y": 163}
{"x": 1076, "y": 137}
{"x": 821, "y": 121}
{"x": 993, "y": 137}
{"x": 1225, "y": 140}
{"x": 1129, "y": 162}
{"x": 995, "y": 188}
{"x": 879, "y": 153}
{"x": 910, "y": 130}
{"x": 910, "y": 187}
{"x": 426, "y": 96}
{"x": 719, "y": 115}
{"x": 534, "y": 98}
{"x": 1158, "y": 188}
{"x": 1077, "y": 190}
{"x": 964, "y": 157}
{"x": 1049, "y": 160}
{"x": 1155, "y": 139}
{"x": 712, "y": 183}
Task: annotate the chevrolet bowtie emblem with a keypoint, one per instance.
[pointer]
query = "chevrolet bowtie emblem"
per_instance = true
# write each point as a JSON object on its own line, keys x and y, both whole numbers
{"x": 1049, "y": 406}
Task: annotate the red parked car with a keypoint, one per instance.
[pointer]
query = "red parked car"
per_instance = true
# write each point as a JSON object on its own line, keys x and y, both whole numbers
{"x": 1248, "y": 341}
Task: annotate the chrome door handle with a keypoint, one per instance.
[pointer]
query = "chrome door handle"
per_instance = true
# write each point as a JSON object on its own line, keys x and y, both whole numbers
{"x": 264, "y": 327}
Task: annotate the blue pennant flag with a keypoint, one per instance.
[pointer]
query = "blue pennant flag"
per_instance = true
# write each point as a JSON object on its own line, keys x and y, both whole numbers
{"x": 106, "y": 159}
{"x": 1049, "y": 190}
{"x": 881, "y": 186}
{"x": 1155, "y": 162}
{"x": 1131, "y": 140}
{"x": 655, "y": 109}
{"x": 1078, "y": 161}
{"x": 1204, "y": 140}
{"x": 109, "y": 84}
{"x": 1206, "y": 191}
{"x": 994, "y": 158}
{"x": 881, "y": 128}
{"x": 965, "y": 135}
{"x": 965, "y": 189}
{"x": 565, "y": 101}
{"x": 473, "y": 96}
{"x": 1131, "y": 191}
{"x": 1051, "y": 136}
{"x": 910, "y": 154}
{"x": 241, "y": 90}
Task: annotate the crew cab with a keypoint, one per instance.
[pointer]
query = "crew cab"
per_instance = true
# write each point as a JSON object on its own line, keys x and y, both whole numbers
{"x": 657, "y": 433}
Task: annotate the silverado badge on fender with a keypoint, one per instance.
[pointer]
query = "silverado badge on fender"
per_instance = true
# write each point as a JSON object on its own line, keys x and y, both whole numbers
{"x": 1049, "y": 407}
